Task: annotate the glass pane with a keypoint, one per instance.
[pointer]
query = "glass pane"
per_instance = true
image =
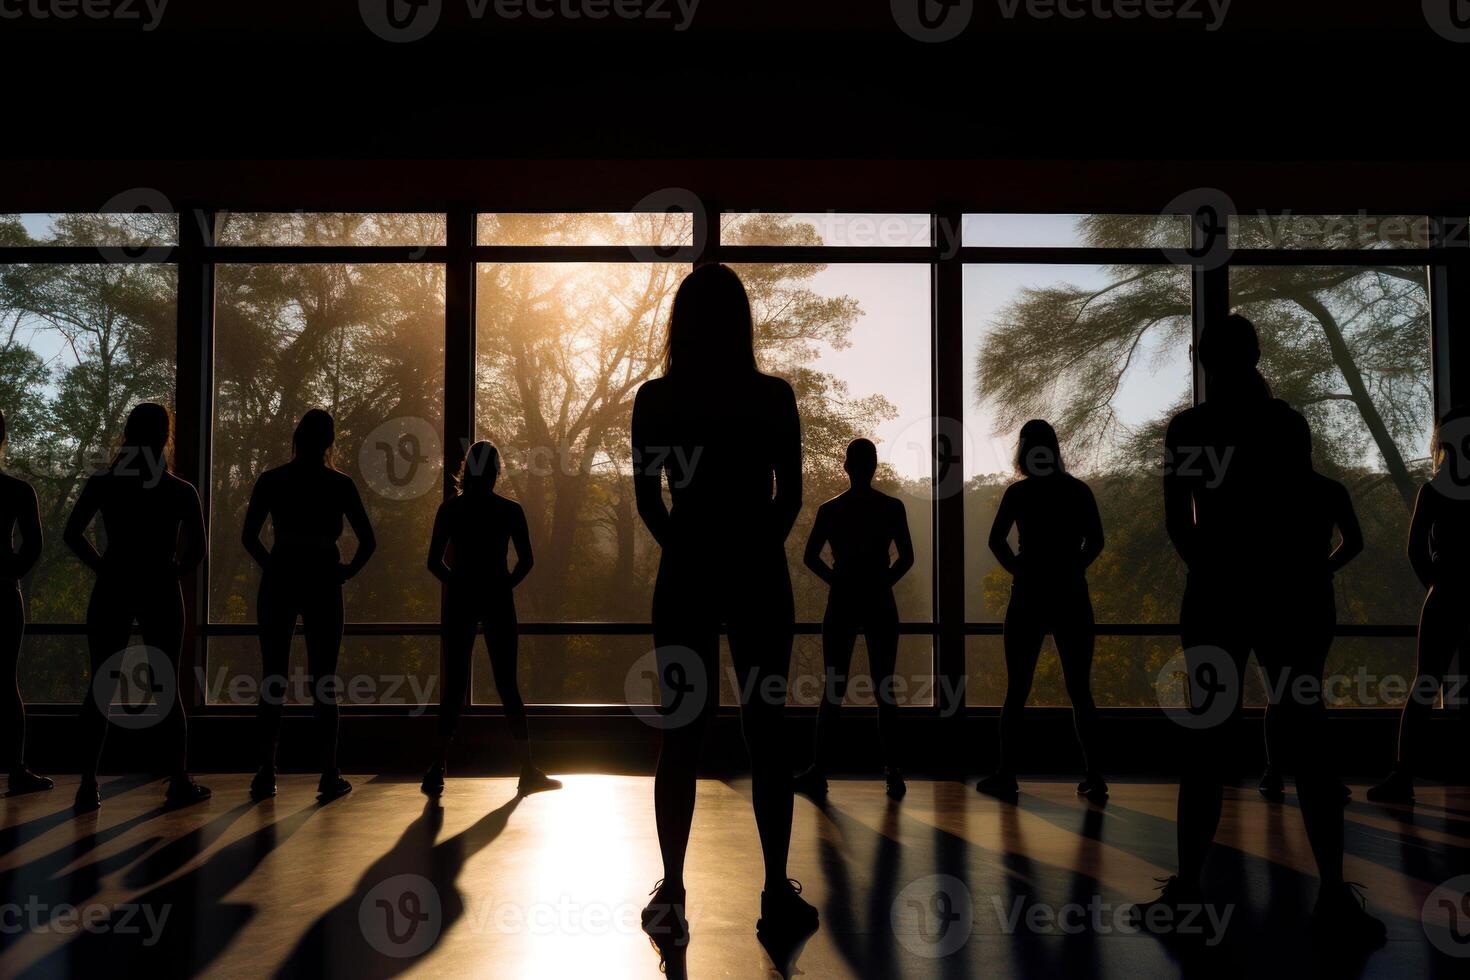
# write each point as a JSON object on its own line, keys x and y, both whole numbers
{"x": 310, "y": 228}
{"x": 658, "y": 228}
{"x": 1125, "y": 672}
{"x": 136, "y": 230}
{"x": 825, "y": 228}
{"x": 365, "y": 342}
{"x": 1329, "y": 231}
{"x": 53, "y": 669}
{"x": 84, "y": 344}
{"x": 371, "y": 670}
{"x": 853, "y": 340}
{"x": 1349, "y": 348}
{"x": 913, "y": 676}
{"x": 1102, "y": 352}
{"x": 574, "y": 670}
{"x": 1076, "y": 230}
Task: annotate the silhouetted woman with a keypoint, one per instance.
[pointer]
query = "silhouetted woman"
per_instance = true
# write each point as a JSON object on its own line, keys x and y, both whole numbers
{"x": 1439, "y": 552}
{"x": 146, "y": 511}
{"x": 18, "y": 512}
{"x": 480, "y": 526}
{"x": 1059, "y": 534}
{"x": 1305, "y": 563}
{"x": 307, "y": 501}
{"x": 861, "y": 525}
{"x": 722, "y": 433}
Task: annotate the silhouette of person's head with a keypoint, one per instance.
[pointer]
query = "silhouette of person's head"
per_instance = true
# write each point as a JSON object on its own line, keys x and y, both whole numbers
{"x": 1037, "y": 451}
{"x": 1229, "y": 351}
{"x": 479, "y": 471}
{"x": 148, "y": 430}
{"x": 1452, "y": 440}
{"x": 711, "y": 333}
{"x": 314, "y": 437}
{"x": 861, "y": 462}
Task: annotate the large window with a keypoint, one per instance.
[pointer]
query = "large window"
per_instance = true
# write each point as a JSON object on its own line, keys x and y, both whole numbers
{"x": 1086, "y": 320}
{"x": 82, "y": 344}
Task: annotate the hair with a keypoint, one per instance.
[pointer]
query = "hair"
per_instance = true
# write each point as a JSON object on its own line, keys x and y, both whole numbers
{"x": 1444, "y": 443}
{"x": 1037, "y": 451}
{"x": 149, "y": 429}
{"x": 1229, "y": 346}
{"x": 478, "y": 470}
{"x": 710, "y": 327}
{"x": 314, "y": 436}
{"x": 861, "y": 460}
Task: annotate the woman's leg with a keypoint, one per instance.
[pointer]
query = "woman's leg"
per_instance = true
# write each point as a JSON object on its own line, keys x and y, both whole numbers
{"x": 12, "y": 708}
{"x": 761, "y": 629}
{"x": 502, "y": 642}
{"x": 1023, "y": 638}
{"x": 161, "y": 620}
{"x": 322, "y": 620}
{"x": 687, "y": 651}
{"x": 882, "y": 636}
{"x": 839, "y": 636}
{"x": 1075, "y": 639}
{"x": 1441, "y": 626}
{"x": 109, "y": 624}
{"x": 457, "y": 631}
{"x": 275, "y": 614}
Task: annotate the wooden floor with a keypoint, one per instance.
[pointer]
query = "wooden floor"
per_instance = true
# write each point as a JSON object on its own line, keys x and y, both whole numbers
{"x": 379, "y": 884}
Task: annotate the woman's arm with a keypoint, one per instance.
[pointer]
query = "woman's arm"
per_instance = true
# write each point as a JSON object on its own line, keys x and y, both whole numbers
{"x": 28, "y": 523}
{"x": 439, "y": 544}
{"x": 1000, "y": 533}
{"x": 196, "y": 542}
{"x": 1092, "y": 529}
{"x": 357, "y": 518}
{"x": 786, "y": 504}
{"x": 815, "y": 542}
{"x": 1346, "y": 519}
{"x": 89, "y": 501}
{"x": 903, "y": 542}
{"x": 648, "y": 466}
{"x": 520, "y": 536}
{"x": 1178, "y": 499}
{"x": 1420, "y": 557}
{"x": 255, "y": 514}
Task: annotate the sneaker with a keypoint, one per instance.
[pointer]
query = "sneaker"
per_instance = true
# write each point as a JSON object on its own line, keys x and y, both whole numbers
{"x": 23, "y": 781}
{"x": 1341, "y": 919}
{"x": 784, "y": 913}
{"x": 1093, "y": 786}
{"x": 810, "y": 782}
{"x": 536, "y": 781}
{"x": 1273, "y": 787}
{"x": 263, "y": 786}
{"x": 663, "y": 917}
{"x": 331, "y": 786}
{"x": 999, "y": 784}
{"x": 183, "y": 791}
{"x": 88, "y": 799}
{"x": 895, "y": 786}
{"x": 1397, "y": 788}
{"x": 1177, "y": 904}
{"x": 433, "y": 782}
